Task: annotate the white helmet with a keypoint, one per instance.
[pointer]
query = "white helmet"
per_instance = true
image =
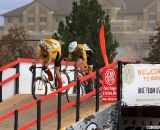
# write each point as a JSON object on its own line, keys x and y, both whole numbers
{"x": 72, "y": 46}
{"x": 41, "y": 43}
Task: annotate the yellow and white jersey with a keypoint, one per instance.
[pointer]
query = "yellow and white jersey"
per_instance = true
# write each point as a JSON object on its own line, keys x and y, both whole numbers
{"x": 53, "y": 47}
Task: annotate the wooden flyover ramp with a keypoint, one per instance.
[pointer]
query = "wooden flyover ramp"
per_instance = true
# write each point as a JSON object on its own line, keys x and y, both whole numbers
{"x": 68, "y": 115}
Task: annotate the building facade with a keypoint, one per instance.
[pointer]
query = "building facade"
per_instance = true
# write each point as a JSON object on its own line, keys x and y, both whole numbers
{"x": 132, "y": 21}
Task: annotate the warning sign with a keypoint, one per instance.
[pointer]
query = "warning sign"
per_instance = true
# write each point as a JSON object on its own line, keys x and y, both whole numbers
{"x": 109, "y": 94}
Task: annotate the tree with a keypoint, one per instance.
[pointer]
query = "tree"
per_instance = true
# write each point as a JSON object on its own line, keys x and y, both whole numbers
{"x": 13, "y": 46}
{"x": 154, "y": 50}
{"x": 112, "y": 43}
{"x": 83, "y": 25}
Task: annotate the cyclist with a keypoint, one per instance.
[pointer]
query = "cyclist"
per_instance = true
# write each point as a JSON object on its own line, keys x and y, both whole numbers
{"x": 85, "y": 57}
{"x": 50, "y": 51}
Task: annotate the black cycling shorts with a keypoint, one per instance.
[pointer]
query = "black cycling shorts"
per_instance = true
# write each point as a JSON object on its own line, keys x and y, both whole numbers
{"x": 58, "y": 60}
{"x": 90, "y": 57}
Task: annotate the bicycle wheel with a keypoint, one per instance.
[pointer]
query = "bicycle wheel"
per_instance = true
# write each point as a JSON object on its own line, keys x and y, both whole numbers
{"x": 72, "y": 92}
{"x": 91, "y": 126}
{"x": 39, "y": 88}
{"x": 65, "y": 81}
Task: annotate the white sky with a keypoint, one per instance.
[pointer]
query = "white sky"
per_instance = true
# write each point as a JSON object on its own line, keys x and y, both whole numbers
{"x": 8, "y": 5}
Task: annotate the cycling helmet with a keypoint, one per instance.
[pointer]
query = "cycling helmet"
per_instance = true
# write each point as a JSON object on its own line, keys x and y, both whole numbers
{"x": 41, "y": 44}
{"x": 72, "y": 46}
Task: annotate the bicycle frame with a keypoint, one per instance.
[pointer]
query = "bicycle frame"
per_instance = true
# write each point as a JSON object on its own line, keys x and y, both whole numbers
{"x": 46, "y": 79}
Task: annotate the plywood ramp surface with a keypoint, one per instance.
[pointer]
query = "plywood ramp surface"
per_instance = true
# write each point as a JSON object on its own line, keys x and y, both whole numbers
{"x": 29, "y": 115}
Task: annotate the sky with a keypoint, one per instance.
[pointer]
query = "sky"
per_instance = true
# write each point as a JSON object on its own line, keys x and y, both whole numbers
{"x": 8, "y": 5}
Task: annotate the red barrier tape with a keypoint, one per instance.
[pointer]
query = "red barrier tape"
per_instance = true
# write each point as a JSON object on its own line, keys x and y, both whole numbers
{"x": 72, "y": 84}
{"x": 19, "y": 109}
{"x": 28, "y": 125}
{"x": 87, "y": 77}
{"x": 27, "y": 106}
{"x": 9, "y": 65}
{"x": 9, "y": 79}
{"x": 50, "y": 114}
{"x": 47, "y": 96}
{"x": 25, "y": 60}
{"x": 6, "y": 115}
{"x": 109, "y": 66}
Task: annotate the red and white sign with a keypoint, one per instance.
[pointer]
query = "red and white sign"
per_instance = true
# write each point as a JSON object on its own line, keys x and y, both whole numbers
{"x": 109, "y": 94}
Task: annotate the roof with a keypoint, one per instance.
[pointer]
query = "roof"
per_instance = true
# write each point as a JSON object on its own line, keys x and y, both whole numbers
{"x": 134, "y": 6}
{"x": 16, "y": 12}
{"x": 116, "y": 3}
{"x": 61, "y": 7}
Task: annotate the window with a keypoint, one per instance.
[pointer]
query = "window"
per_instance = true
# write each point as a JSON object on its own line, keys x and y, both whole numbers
{"x": 20, "y": 19}
{"x": 58, "y": 19}
{"x": 10, "y": 20}
{"x": 152, "y": 17}
{"x": 42, "y": 27}
{"x": 107, "y": 11}
{"x": 124, "y": 17}
{"x": 31, "y": 19}
{"x": 43, "y": 19}
{"x": 31, "y": 27}
{"x": 140, "y": 17}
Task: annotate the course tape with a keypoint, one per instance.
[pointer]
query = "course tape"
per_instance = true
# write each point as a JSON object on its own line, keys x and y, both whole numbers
{"x": 9, "y": 79}
{"x": 50, "y": 114}
{"x": 82, "y": 79}
{"x": 26, "y": 60}
{"x": 72, "y": 84}
{"x": 109, "y": 66}
{"x": 6, "y": 115}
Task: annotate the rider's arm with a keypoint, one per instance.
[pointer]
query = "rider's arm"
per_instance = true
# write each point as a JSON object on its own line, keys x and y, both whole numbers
{"x": 68, "y": 60}
{"x": 49, "y": 59}
{"x": 37, "y": 59}
{"x": 84, "y": 56}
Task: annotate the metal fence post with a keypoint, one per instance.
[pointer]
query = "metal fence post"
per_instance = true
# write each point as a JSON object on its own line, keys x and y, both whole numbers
{"x": 78, "y": 100}
{"x": 39, "y": 114}
{"x": 119, "y": 92}
{"x": 17, "y": 80}
{"x": 59, "y": 111}
{"x": 16, "y": 120}
{"x": 97, "y": 91}
{"x": 1, "y": 86}
{"x": 33, "y": 76}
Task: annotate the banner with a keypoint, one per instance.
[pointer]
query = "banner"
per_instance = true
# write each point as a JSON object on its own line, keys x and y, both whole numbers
{"x": 103, "y": 44}
{"x": 139, "y": 123}
{"x": 140, "y": 85}
{"x": 105, "y": 119}
{"x": 109, "y": 92}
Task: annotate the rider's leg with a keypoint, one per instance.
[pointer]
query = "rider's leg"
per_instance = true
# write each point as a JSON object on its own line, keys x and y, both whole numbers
{"x": 57, "y": 71}
{"x": 78, "y": 63}
{"x": 47, "y": 71}
{"x": 58, "y": 75}
{"x": 90, "y": 70}
{"x": 90, "y": 61}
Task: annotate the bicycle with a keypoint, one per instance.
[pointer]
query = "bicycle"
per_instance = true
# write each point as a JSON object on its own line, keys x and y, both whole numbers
{"x": 72, "y": 92}
{"x": 41, "y": 84}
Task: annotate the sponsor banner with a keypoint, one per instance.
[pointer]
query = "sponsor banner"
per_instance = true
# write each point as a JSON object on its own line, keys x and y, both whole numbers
{"x": 140, "y": 123}
{"x": 109, "y": 93}
{"x": 106, "y": 119}
{"x": 140, "y": 85}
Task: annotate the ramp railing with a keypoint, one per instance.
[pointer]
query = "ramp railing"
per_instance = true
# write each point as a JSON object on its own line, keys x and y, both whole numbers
{"x": 14, "y": 114}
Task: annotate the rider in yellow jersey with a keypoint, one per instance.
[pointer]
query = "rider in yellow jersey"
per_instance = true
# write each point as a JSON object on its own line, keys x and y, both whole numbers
{"x": 50, "y": 51}
{"x": 84, "y": 54}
